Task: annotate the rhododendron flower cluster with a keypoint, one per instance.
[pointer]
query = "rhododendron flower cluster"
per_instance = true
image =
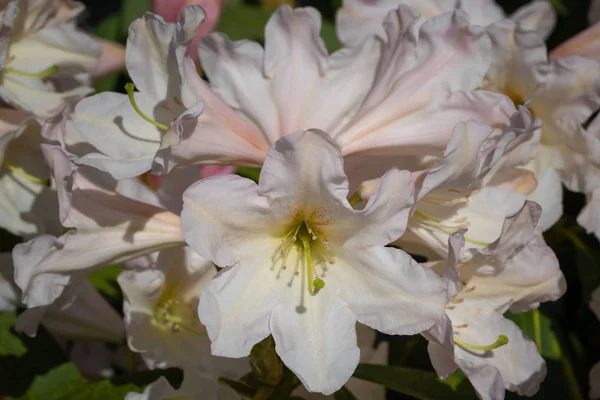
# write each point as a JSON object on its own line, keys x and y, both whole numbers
{"x": 403, "y": 185}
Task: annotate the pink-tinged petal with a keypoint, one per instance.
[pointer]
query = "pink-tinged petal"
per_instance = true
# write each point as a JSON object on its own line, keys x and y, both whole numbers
{"x": 235, "y": 71}
{"x": 212, "y": 134}
{"x": 112, "y": 59}
{"x": 409, "y": 87}
{"x": 537, "y": 16}
{"x": 517, "y": 271}
{"x": 319, "y": 343}
{"x": 476, "y": 150}
{"x": 586, "y": 43}
{"x": 240, "y": 72}
{"x": 87, "y": 317}
{"x": 206, "y": 171}
{"x": 109, "y": 229}
{"x": 154, "y": 52}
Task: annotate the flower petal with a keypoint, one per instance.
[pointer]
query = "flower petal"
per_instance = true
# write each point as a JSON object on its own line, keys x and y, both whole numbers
{"x": 317, "y": 342}
{"x": 410, "y": 66}
{"x": 387, "y": 290}
{"x": 516, "y": 366}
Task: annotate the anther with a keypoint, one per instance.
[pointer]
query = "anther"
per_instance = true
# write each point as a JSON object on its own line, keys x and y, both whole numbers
{"x": 502, "y": 340}
{"x": 129, "y": 88}
{"x": 42, "y": 74}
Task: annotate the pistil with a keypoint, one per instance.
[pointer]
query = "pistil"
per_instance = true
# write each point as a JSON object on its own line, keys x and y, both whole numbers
{"x": 502, "y": 340}
{"x": 42, "y": 74}
{"x": 130, "y": 88}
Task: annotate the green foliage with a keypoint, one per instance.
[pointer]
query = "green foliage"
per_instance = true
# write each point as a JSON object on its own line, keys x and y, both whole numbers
{"x": 105, "y": 280}
{"x": 65, "y": 383}
{"x": 420, "y": 384}
{"x": 131, "y": 10}
{"x": 10, "y": 344}
{"x": 344, "y": 394}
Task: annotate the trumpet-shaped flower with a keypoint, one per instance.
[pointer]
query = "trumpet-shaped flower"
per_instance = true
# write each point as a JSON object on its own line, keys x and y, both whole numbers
{"x": 27, "y": 201}
{"x": 359, "y": 19}
{"x": 399, "y": 99}
{"x": 476, "y": 184}
{"x": 106, "y": 228}
{"x": 302, "y": 265}
{"x": 563, "y": 93}
{"x": 45, "y": 59}
{"x": 161, "y": 292}
{"x": 117, "y": 124}
{"x": 89, "y": 317}
{"x": 516, "y": 272}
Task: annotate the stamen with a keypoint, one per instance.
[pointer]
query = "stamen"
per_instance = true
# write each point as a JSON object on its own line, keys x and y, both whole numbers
{"x": 502, "y": 340}
{"x": 164, "y": 318}
{"x": 42, "y": 74}
{"x": 432, "y": 222}
{"x": 21, "y": 172}
{"x": 130, "y": 87}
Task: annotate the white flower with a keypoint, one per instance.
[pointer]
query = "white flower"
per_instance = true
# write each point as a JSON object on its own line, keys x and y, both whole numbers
{"x": 563, "y": 93}
{"x": 117, "y": 127}
{"x": 27, "y": 202}
{"x": 361, "y": 389}
{"x": 161, "y": 315}
{"x": 516, "y": 272}
{"x": 257, "y": 96}
{"x": 359, "y": 19}
{"x": 302, "y": 265}
{"x": 476, "y": 184}
{"x": 45, "y": 59}
{"x": 88, "y": 317}
{"x": 107, "y": 228}
{"x": 399, "y": 99}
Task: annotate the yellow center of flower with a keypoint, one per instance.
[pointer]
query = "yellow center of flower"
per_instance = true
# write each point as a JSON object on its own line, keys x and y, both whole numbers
{"x": 313, "y": 251}
{"x": 172, "y": 315}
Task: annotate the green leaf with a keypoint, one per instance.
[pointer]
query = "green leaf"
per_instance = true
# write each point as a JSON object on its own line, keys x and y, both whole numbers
{"x": 344, "y": 394}
{"x": 105, "y": 280}
{"x": 65, "y": 383}
{"x": 250, "y": 173}
{"x": 109, "y": 28}
{"x": 561, "y": 381}
{"x": 241, "y": 21}
{"x": 539, "y": 328}
{"x": 559, "y": 7}
{"x": 58, "y": 383}
{"x": 265, "y": 363}
{"x": 103, "y": 390}
{"x": 131, "y": 10}
{"x": 240, "y": 388}
{"x": 10, "y": 344}
{"x": 417, "y": 383}
{"x": 330, "y": 36}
